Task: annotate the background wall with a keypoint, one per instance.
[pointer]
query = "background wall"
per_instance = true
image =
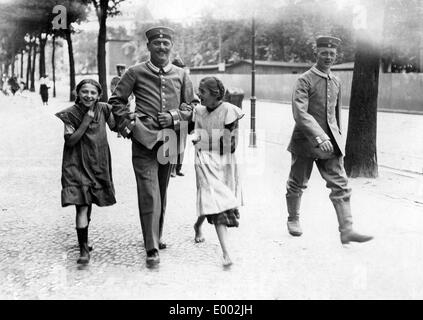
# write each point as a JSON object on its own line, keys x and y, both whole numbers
{"x": 398, "y": 92}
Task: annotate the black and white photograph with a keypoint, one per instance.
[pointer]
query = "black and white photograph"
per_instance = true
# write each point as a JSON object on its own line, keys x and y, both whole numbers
{"x": 223, "y": 150}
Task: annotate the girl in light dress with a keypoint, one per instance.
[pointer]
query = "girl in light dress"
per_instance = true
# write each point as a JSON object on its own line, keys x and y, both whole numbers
{"x": 217, "y": 174}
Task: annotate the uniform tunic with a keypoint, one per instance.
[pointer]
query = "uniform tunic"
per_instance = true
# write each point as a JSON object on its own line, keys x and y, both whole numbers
{"x": 155, "y": 90}
{"x": 218, "y": 178}
{"x": 316, "y": 106}
{"x": 86, "y": 166}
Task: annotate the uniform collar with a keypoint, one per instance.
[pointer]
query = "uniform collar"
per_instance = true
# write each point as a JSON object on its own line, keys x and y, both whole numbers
{"x": 321, "y": 74}
{"x": 155, "y": 69}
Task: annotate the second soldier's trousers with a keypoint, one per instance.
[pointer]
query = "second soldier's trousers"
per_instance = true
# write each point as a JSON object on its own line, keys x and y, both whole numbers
{"x": 331, "y": 170}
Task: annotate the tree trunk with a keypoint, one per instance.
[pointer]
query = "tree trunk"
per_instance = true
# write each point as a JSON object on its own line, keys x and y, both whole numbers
{"x": 53, "y": 65}
{"x": 361, "y": 156}
{"x": 71, "y": 66}
{"x": 28, "y": 66}
{"x": 1, "y": 76}
{"x": 22, "y": 64}
{"x": 42, "y": 64}
{"x": 13, "y": 64}
{"x": 6, "y": 68}
{"x": 101, "y": 48}
{"x": 34, "y": 55}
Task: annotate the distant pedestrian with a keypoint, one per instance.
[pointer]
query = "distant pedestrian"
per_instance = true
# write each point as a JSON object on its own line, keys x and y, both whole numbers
{"x": 317, "y": 138}
{"x": 44, "y": 86}
{"x": 86, "y": 166}
{"x": 113, "y": 84}
{"x": 218, "y": 181}
{"x": 177, "y": 169}
{"x": 13, "y": 84}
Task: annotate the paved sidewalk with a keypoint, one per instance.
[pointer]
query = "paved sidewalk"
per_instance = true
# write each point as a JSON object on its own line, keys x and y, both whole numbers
{"x": 399, "y": 138}
{"x": 38, "y": 248}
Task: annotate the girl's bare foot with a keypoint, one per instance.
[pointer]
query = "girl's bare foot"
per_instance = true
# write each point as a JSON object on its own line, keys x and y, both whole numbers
{"x": 198, "y": 234}
{"x": 227, "y": 261}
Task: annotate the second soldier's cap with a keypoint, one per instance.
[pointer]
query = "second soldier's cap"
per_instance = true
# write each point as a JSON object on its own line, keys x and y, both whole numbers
{"x": 327, "y": 42}
{"x": 159, "y": 32}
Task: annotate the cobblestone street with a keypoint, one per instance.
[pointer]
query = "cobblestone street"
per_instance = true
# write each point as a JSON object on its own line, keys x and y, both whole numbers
{"x": 38, "y": 243}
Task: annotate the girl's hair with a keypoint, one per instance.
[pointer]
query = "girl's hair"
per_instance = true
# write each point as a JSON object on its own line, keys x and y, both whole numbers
{"x": 215, "y": 86}
{"x": 89, "y": 81}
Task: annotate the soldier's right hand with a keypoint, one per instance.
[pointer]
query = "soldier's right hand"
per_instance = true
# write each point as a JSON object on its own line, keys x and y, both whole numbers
{"x": 126, "y": 130}
{"x": 326, "y": 146}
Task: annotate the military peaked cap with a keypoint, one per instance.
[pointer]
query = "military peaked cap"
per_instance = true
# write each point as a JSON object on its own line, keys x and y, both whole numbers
{"x": 159, "y": 32}
{"x": 327, "y": 42}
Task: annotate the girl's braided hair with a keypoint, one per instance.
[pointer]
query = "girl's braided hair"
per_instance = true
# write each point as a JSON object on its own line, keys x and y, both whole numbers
{"x": 215, "y": 86}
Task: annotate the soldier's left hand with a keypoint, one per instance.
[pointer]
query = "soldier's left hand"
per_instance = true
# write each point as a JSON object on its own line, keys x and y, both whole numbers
{"x": 185, "y": 107}
{"x": 165, "y": 119}
{"x": 326, "y": 146}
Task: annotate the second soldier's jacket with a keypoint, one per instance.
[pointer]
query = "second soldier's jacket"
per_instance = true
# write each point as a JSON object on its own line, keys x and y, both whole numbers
{"x": 316, "y": 106}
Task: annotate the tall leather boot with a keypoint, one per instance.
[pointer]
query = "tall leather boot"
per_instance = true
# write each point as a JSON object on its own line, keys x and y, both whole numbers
{"x": 84, "y": 252}
{"x": 347, "y": 234}
{"x": 293, "y": 223}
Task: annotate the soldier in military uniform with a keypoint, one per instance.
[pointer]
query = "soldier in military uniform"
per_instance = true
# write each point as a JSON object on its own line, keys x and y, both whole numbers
{"x": 160, "y": 88}
{"x": 317, "y": 138}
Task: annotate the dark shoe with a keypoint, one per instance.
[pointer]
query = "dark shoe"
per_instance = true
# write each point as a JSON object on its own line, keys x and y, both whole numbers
{"x": 294, "y": 228}
{"x": 179, "y": 173}
{"x": 352, "y": 236}
{"x": 84, "y": 254}
{"x": 153, "y": 258}
{"x": 162, "y": 245}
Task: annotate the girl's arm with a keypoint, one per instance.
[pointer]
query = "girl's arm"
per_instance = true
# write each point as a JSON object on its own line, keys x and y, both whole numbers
{"x": 72, "y": 139}
{"x": 111, "y": 122}
{"x": 231, "y": 135}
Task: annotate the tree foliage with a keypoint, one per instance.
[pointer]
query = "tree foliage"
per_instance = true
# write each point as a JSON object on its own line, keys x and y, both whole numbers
{"x": 284, "y": 33}
{"x": 403, "y": 35}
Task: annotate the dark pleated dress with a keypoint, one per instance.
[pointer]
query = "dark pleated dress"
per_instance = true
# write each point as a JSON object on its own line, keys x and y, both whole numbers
{"x": 87, "y": 167}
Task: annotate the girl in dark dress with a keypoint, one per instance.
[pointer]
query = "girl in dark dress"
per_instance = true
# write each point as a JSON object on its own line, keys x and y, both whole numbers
{"x": 44, "y": 86}
{"x": 86, "y": 166}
